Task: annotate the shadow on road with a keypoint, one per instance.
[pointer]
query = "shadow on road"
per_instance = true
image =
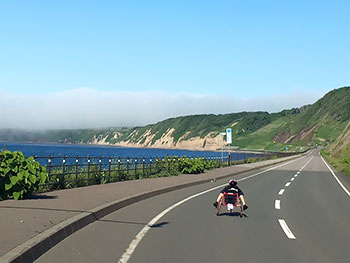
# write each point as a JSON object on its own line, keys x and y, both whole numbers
{"x": 161, "y": 224}
{"x": 121, "y": 222}
{"x": 234, "y": 214}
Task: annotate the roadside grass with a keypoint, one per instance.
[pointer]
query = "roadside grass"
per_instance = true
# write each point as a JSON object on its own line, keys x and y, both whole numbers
{"x": 341, "y": 162}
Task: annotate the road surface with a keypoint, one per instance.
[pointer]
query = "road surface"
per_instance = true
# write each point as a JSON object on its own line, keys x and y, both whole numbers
{"x": 298, "y": 212}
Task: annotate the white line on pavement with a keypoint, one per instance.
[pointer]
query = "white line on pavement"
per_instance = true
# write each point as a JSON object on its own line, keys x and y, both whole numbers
{"x": 292, "y": 179}
{"x": 287, "y": 184}
{"x": 281, "y": 192}
{"x": 277, "y": 204}
{"x": 134, "y": 243}
{"x": 286, "y": 229}
{"x": 296, "y": 175}
{"x": 336, "y": 178}
{"x": 302, "y": 168}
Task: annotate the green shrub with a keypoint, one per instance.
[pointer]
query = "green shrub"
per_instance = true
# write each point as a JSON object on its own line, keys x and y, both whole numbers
{"x": 19, "y": 176}
{"x": 208, "y": 165}
{"x": 191, "y": 166}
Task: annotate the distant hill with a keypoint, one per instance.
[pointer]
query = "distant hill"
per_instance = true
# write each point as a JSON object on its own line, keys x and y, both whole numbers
{"x": 318, "y": 124}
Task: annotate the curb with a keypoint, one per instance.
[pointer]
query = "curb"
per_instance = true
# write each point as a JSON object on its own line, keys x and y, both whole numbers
{"x": 33, "y": 248}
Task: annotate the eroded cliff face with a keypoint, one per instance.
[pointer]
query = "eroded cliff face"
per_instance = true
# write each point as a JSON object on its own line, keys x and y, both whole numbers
{"x": 166, "y": 141}
{"x": 304, "y": 135}
{"x": 209, "y": 142}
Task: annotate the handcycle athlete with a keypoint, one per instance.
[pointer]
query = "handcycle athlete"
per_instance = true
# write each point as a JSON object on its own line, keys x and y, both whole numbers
{"x": 231, "y": 196}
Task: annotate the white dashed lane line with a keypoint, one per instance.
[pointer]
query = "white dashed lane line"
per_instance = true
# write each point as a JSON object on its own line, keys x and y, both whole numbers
{"x": 286, "y": 229}
{"x": 283, "y": 223}
{"x": 277, "y": 204}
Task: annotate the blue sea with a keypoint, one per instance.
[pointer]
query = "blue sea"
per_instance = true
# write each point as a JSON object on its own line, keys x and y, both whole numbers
{"x": 58, "y": 151}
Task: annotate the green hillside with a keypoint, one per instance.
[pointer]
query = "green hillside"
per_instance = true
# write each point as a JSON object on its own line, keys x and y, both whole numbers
{"x": 317, "y": 124}
{"x": 325, "y": 120}
{"x": 201, "y": 125}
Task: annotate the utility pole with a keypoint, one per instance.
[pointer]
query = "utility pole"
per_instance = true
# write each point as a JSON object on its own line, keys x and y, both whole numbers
{"x": 222, "y": 149}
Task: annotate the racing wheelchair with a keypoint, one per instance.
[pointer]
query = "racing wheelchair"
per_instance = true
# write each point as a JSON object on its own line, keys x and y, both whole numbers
{"x": 231, "y": 200}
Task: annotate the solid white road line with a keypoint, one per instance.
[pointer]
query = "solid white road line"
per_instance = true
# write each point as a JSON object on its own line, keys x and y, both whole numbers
{"x": 286, "y": 229}
{"x": 336, "y": 178}
{"x": 281, "y": 192}
{"x": 134, "y": 243}
{"x": 287, "y": 184}
{"x": 277, "y": 204}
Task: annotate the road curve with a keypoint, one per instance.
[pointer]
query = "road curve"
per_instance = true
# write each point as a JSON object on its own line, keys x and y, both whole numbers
{"x": 311, "y": 206}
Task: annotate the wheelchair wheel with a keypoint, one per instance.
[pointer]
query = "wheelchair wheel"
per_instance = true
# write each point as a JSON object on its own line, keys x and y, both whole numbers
{"x": 240, "y": 210}
{"x": 240, "y": 207}
{"x": 218, "y": 209}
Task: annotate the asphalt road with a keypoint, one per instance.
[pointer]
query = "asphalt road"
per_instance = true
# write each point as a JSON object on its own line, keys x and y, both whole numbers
{"x": 314, "y": 207}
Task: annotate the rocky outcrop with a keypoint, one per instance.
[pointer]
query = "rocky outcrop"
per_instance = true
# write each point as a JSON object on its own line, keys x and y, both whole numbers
{"x": 210, "y": 142}
{"x": 304, "y": 135}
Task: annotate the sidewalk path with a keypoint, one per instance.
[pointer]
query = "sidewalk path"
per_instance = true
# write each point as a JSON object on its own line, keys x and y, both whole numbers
{"x": 30, "y": 227}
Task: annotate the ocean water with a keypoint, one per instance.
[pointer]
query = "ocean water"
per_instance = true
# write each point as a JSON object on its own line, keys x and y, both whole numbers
{"x": 58, "y": 151}
{"x": 43, "y": 150}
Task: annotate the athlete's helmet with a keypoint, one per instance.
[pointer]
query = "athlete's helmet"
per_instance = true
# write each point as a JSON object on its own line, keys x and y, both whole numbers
{"x": 232, "y": 182}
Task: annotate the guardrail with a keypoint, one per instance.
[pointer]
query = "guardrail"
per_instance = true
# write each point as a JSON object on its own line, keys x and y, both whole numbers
{"x": 69, "y": 172}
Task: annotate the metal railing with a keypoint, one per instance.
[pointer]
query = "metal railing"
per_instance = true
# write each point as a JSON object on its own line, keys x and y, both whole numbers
{"x": 69, "y": 172}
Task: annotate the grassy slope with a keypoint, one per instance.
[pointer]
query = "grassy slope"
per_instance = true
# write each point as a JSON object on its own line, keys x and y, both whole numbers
{"x": 338, "y": 154}
{"x": 340, "y": 162}
{"x": 329, "y": 114}
{"x": 262, "y": 139}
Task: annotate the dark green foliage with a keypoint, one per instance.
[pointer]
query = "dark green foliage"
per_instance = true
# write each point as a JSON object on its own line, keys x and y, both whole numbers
{"x": 192, "y": 166}
{"x": 19, "y": 176}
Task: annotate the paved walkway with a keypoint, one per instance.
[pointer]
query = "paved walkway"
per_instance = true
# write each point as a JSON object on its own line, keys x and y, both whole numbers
{"x": 30, "y": 227}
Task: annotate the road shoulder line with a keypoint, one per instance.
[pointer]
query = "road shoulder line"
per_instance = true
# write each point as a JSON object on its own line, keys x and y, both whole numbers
{"x": 336, "y": 178}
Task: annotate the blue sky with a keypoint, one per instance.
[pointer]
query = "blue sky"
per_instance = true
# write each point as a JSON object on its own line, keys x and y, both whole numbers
{"x": 247, "y": 53}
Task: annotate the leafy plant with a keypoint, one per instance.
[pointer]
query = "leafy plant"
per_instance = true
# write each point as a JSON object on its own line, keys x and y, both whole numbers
{"x": 19, "y": 176}
{"x": 191, "y": 166}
